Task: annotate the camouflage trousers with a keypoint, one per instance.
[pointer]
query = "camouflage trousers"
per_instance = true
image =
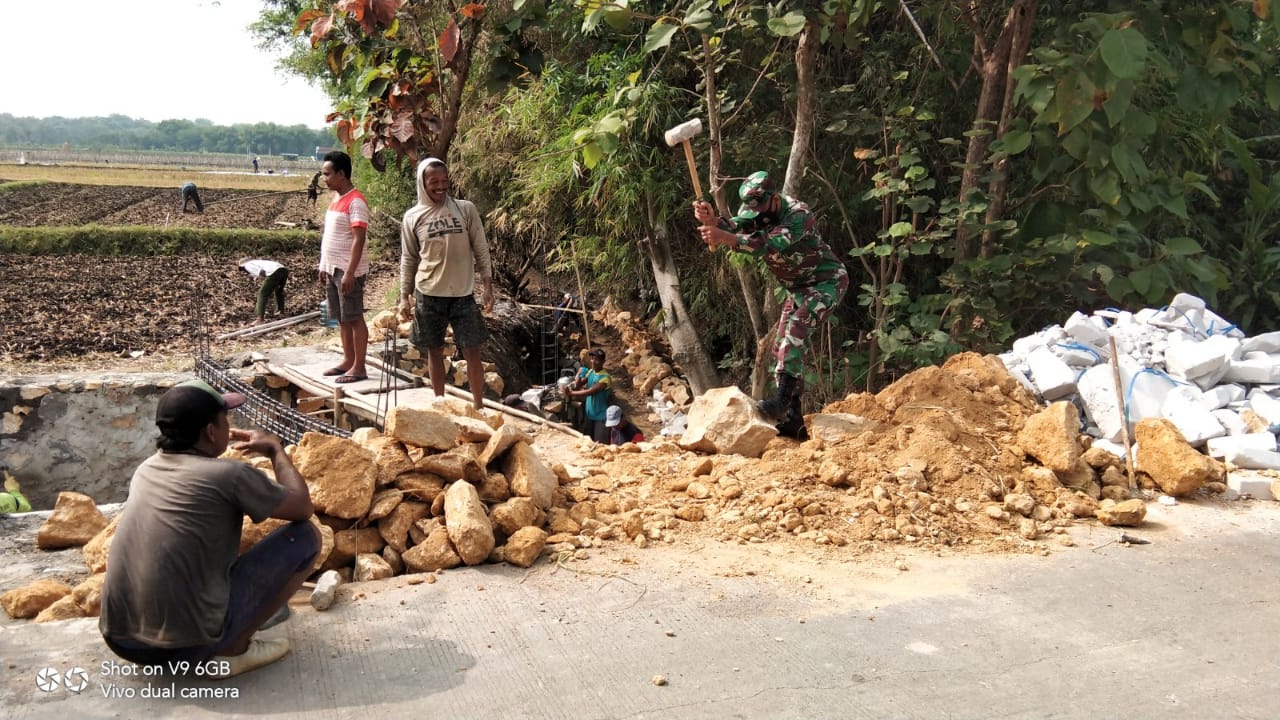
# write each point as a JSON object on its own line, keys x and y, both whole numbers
{"x": 804, "y": 307}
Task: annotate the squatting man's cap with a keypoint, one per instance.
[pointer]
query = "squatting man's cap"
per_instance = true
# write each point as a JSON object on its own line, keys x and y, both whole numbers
{"x": 190, "y": 406}
{"x": 755, "y": 193}
{"x": 613, "y": 416}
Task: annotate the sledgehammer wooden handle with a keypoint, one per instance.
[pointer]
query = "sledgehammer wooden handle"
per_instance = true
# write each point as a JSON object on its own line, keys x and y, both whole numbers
{"x": 693, "y": 169}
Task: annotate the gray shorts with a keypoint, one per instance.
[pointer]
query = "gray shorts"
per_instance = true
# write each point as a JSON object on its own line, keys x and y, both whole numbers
{"x": 432, "y": 315}
{"x": 350, "y": 307}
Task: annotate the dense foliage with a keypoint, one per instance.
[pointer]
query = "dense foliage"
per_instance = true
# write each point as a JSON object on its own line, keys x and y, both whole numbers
{"x": 986, "y": 168}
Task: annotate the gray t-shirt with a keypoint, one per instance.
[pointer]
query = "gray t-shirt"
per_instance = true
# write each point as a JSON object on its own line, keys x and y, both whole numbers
{"x": 167, "y": 581}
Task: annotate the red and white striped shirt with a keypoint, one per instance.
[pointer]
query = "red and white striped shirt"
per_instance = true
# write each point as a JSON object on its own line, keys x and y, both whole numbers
{"x": 345, "y": 212}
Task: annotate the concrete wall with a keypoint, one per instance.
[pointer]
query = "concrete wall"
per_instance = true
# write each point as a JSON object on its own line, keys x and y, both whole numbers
{"x": 79, "y": 433}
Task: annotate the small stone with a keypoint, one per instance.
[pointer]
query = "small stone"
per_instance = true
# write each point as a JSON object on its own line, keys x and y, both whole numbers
{"x": 659, "y": 680}
{"x": 326, "y": 590}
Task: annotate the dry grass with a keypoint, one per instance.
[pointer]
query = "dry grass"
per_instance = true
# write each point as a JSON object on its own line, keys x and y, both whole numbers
{"x": 153, "y": 176}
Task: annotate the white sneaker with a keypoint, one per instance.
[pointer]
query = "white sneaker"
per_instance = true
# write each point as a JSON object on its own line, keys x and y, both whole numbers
{"x": 260, "y": 653}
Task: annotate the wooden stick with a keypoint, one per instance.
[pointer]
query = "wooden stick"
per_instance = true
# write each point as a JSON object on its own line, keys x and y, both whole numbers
{"x": 1124, "y": 413}
{"x": 693, "y": 169}
{"x": 580, "y": 311}
{"x": 273, "y": 325}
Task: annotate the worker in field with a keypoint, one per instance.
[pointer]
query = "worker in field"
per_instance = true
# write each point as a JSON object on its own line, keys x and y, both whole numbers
{"x": 313, "y": 190}
{"x": 189, "y": 195}
{"x": 177, "y": 591}
{"x": 273, "y": 276}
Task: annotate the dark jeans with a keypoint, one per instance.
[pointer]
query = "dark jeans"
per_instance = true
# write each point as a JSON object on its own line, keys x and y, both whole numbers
{"x": 273, "y": 284}
{"x": 190, "y": 195}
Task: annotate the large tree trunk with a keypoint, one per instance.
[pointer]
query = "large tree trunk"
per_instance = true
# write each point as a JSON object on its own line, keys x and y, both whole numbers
{"x": 999, "y": 188}
{"x": 687, "y": 349}
{"x": 747, "y": 279}
{"x": 993, "y": 65}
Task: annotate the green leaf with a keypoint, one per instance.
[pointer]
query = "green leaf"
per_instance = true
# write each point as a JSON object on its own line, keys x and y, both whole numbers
{"x": 1105, "y": 186}
{"x": 1119, "y": 287}
{"x": 1015, "y": 141}
{"x": 659, "y": 36}
{"x": 883, "y": 250}
{"x": 1273, "y": 91}
{"x": 1141, "y": 280}
{"x": 617, "y": 17}
{"x": 1098, "y": 239}
{"x": 1118, "y": 104}
{"x": 591, "y": 154}
{"x": 1124, "y": 52}
{"x": 1177, "y": 205}
{"x": 921, "y": 248}
{"x": 788, "y": 25}
{"x": 919, "y": 203}
{"x": 900, "y": 229}
{"x": 1182, "y": 246}
{"x": 699, "y": 18}
{"x": 1077, "y": 144}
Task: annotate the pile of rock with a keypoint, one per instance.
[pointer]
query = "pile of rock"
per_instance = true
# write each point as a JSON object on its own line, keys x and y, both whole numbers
{"x": 411, "y": 359}
{"x": 75, "y": 521}
{"x": 1182, "y": 363}
{"x": 648, "y": 370}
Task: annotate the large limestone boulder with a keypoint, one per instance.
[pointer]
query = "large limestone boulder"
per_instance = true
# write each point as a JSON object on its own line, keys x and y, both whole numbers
{"x": 525, "y": 546}
{"x": 458, "y": 463}
{"x": 528, "y": 476}
{"x": 326, "y": 543}
{"x": 394, "y": 528}
{"x": 725, "y": 420}
{"x": 340, "y": 474}
{"x": 64, "y": 608}
{"x": 349, "y": 543}
{"x": 1050, "y": 436}
{"x": 434, "y": 553}
{"x": 252, "y": 533}
{"x": 27, "y": 601}
{"x": 1176, "y": 467}
{"x": 1129, "y": 513}
{"x": 383, "y": 503}
{"x": 835, "y": 428}
{"x": 420, "y": 485}
{"x": 96, "y": 550}
{"x": 516, "y": 513}
{"x": 388, "y": 453}
{"x": 74, "y": 521}
{"x": 468, "y": 526}
{"x": 422, "y": 428}
{"x": 500, "y": 441}
{"x": 472, "y": 430}
{"x": 88, "y": 594}
{"x": 371, "y": 567}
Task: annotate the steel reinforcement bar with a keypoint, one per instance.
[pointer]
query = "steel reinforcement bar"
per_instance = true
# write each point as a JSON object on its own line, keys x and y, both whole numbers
{"x": 275, "y": 417}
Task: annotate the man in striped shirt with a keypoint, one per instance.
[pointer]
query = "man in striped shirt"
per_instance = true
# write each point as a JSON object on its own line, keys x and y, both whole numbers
{"x": 343, "y": 265}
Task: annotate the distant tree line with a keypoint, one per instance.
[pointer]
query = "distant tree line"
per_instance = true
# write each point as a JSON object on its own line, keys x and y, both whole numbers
{"x": 119, "y": 132}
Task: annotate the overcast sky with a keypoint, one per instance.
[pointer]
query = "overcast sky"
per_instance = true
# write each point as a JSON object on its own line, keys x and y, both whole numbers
{"x": 151, "y": 59}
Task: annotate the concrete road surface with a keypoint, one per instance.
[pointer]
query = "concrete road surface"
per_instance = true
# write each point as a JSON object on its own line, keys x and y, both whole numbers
{"x": 1186, "y": 627}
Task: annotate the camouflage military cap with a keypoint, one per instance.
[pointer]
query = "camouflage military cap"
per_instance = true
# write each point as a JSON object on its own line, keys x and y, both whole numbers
{"x": 756, "y": 191}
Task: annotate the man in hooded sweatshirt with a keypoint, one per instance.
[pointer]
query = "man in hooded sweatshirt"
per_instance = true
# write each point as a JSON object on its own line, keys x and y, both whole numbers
{"x": 442, "y": 249}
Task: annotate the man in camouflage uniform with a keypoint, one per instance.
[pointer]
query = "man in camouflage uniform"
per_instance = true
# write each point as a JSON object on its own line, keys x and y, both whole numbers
{"x": 782, "y": 232}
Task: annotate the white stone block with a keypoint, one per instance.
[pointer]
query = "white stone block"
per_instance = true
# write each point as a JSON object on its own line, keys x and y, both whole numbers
{"x": 1051, "y": 376}
{"x": 1220, "y": 396}
{"x": 1189, "y": 360}
{"x": 1145, "y": 392}
{"x": 1097, "y": 391}
{"x": 1086, "y": 330}
{"x": 1184, "y": 408}
{"x": 1077, "y": 354}
{"x": 1254, "y": 483}
{"x": 1231, "y": 420}
{"x": 1265, "y": 405}
{"x": 1214, "y": 324}
{"x": 1205, "y": 382}
{"x": 1266, "y": 342}
{"x": 1145, "y": 316}
{"x": 1254, "y": 372}
{"x": 1223, "y": 447}
{"x": 1024, "y": 346}
{"x": 1114, "y": 448}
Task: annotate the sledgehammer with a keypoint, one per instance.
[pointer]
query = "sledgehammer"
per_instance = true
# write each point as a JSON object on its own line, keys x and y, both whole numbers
{"x": 681, "y": 134}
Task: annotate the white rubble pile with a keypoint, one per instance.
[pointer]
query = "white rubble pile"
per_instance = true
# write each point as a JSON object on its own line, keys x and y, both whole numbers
{"x": 1183, "y": 363}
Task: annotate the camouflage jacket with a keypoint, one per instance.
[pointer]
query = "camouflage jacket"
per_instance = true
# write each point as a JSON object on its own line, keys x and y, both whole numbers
{"x": 791, "y": 247}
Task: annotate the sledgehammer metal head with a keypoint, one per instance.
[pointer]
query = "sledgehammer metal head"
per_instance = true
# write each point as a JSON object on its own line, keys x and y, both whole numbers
{"x": 680, "y": 135}
{"x": 684, "y": 132}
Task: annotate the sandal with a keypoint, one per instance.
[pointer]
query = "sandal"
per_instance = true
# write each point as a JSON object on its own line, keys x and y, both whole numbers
{"x": 344, "y": 379}
{"x": 334, "y": 372}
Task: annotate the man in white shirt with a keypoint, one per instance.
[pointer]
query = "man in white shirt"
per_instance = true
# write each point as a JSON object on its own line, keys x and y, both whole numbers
{"x": 343, "y": 265}
{"x": 273, "y": 276}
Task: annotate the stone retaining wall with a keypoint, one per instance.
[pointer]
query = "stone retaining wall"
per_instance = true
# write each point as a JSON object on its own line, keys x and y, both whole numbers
{"x": 84, "y": 434}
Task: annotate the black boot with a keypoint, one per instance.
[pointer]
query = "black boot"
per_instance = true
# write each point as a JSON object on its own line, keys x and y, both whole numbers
{"x": 775, "y": 408}
{"x": 792, "y": 425}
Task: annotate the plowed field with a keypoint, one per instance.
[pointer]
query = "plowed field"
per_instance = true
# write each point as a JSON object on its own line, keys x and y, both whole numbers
{"x": 75, "y": 309}
{"x": 60, "y": 204}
